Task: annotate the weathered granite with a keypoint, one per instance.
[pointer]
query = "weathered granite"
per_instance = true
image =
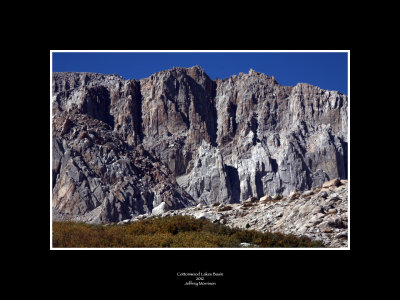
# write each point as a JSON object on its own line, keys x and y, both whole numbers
{"x": 320, "y": 213}
{"x": 181, "y": 138}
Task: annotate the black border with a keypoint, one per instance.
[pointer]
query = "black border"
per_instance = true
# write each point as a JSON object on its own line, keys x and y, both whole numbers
{"x": 243, "y": 269}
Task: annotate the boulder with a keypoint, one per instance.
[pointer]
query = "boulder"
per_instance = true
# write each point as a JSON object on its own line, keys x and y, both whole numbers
{"x": 251, "y": 200}
{"x": 293, "y": 195}
{"x": 207, "y": 216}
{"x": 307, "y": 193}
{"x": 331, "y": 183}
{"x": 266, "y": 198}
{"x": 334, "y": 197}
{"x": 323, "y": 194}
{"x": 160, "y": 209}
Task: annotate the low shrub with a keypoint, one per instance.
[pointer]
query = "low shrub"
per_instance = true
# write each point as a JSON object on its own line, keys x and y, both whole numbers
{"x": 171, "y": 231}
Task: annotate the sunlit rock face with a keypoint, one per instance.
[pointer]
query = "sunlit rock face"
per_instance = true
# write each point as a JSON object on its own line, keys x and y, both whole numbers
{"x": 122, "y": 147}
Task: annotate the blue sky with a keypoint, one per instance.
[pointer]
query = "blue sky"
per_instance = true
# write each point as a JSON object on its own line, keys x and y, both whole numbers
{"x": 327, "y": 70}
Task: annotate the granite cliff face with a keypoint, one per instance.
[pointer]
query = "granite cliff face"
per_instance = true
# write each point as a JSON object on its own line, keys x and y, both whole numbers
{"x": 123, "y": 148}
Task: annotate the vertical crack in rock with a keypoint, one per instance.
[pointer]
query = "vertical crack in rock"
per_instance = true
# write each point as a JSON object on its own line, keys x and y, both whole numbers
{"x": 233, "y": 179}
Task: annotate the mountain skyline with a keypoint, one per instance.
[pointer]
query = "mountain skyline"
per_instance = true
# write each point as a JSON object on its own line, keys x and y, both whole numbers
{"x": 328, "y": 70}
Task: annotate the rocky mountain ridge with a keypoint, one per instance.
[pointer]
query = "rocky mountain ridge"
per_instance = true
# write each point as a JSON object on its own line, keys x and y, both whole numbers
{"x": 177, "y": 138}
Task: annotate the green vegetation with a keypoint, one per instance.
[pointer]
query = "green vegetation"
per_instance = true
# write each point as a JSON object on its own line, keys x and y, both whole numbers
{"x": 174, "y": 232}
